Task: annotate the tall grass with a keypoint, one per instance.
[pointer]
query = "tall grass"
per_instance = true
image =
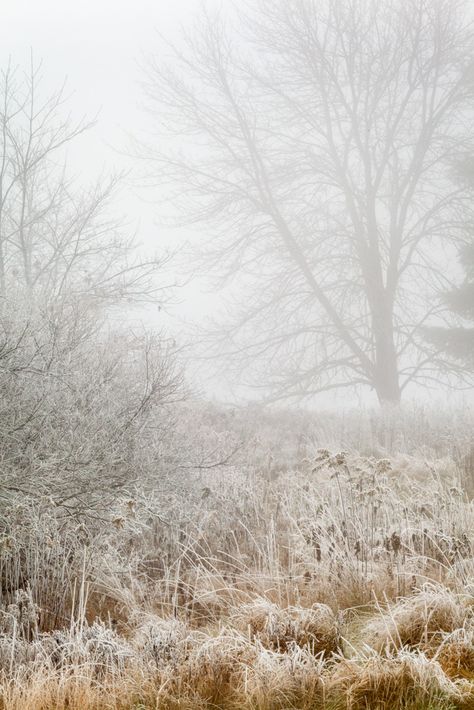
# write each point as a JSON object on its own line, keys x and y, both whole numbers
{"x": 319, "y": 579}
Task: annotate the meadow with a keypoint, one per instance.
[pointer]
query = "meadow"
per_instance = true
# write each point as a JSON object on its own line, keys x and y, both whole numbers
{"x": 295, "y": 573}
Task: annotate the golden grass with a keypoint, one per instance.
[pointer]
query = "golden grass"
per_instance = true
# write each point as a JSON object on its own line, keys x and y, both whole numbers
{"x": 407, "y": 679}
{"x": 286, "y": 658}
{"x": 294, "y": 679}
{"x": 315, "y": 629}
{"x": 336, "y": 589}
{"x": 417, "y": 619}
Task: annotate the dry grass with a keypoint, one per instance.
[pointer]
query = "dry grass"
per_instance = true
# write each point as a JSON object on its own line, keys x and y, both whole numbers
{"x": 294, "y": 679}
{"x": 331, "y": 587}
{"x": 315, "y": 629}
{"x": 213, "y": 671}
{"x": 418, "y": 619}
{"x": 455, "y": 654}
{"x": 406, "y": 680}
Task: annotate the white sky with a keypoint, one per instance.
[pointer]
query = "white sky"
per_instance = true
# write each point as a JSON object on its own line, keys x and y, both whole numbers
{"x": 95, "y": 44}
{"x": 98, "y": 46}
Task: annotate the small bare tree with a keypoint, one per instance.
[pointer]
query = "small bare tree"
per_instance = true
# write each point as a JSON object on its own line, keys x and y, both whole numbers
{"x": 57, "y": 240}
{"x": 82, "y": 400}
{"x": 82, "y": 419}
{"x": 313, "y": 141}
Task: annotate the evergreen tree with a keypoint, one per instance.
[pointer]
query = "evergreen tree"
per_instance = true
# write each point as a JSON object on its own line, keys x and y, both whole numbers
{"x": 458, "y": 341}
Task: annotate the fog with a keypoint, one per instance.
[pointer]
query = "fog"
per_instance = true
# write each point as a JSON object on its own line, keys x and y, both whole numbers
{"x": 99, "y": 50}
{"x": 236, "y": 355}
{"x": 107, "y": 53}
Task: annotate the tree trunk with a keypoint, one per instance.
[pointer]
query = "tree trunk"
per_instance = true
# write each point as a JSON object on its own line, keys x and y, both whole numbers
{"x": 387, "y": 386}
{"x": 386, "y": 378}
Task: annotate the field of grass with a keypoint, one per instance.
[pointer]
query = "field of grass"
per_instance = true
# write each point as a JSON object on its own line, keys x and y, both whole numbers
{"x": 323, "y": 580}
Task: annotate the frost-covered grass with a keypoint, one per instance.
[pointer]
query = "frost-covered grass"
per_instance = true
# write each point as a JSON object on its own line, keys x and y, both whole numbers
{"x": 342, "y": 581}
{"x": 165, "y": 663}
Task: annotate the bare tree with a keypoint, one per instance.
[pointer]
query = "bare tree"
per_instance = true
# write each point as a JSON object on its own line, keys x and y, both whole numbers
{"x": 82, "y": 419}
{"x": 84, "y": 404}
{"x": 313, "y": 142}
{"x": 58, "y": 240}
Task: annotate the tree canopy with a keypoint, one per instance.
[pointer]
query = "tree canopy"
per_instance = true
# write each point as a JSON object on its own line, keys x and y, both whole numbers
{"x": 312, "y": 143}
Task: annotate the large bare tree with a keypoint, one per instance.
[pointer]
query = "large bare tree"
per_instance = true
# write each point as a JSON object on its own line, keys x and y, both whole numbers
{"x": 312, "y": 142}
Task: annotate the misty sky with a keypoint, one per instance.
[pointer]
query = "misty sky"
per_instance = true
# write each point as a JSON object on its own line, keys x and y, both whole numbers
{"x": 98, "y": 46}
